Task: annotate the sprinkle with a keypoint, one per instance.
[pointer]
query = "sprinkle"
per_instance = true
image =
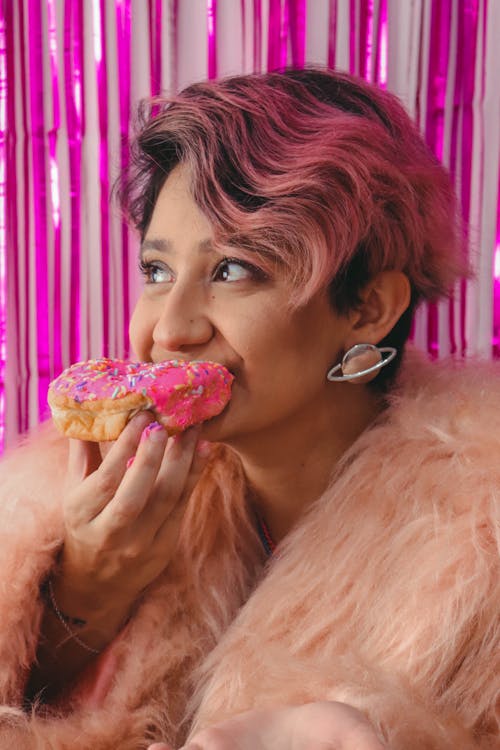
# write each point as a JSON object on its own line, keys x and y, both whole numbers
{"x": 115, "y": 392}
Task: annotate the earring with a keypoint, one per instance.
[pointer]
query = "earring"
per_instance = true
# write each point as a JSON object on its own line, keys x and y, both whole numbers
{"x": 360, "y": 361}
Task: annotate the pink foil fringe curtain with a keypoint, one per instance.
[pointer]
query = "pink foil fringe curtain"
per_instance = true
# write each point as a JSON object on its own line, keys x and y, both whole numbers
{"x": 4, "y": 77}
{"x": 71, "y": 75}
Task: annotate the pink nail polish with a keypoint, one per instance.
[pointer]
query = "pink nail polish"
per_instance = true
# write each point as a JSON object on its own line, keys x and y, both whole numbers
{"x": 154, "y": 431}
{"x": 130, "y": 461}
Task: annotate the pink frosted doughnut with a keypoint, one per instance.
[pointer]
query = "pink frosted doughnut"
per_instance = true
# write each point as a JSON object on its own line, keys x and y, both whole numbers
{"x": 94, "y": 400}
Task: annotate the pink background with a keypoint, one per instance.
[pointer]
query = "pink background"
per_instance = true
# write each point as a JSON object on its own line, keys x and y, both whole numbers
{"x": 71, "y": 74}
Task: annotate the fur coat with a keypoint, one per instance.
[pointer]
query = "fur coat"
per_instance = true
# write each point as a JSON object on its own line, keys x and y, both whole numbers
{"x": 385, "y": 595}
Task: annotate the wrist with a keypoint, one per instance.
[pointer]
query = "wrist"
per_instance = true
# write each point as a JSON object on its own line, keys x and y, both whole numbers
{"x": 83, "y": 618}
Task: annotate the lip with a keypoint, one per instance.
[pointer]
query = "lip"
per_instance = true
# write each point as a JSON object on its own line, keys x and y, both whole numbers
{"x": 229, "y": 368}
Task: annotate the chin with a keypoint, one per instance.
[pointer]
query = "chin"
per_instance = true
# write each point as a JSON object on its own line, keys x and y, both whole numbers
{"x": 218, "y": 429}
{"x": 228, "y": 427}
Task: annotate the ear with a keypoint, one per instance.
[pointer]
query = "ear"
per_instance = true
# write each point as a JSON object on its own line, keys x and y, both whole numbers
{"x": 384, "y": 300}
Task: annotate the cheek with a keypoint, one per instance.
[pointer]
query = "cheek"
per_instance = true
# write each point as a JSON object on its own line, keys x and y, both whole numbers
{"x": 271, "y": 353}
{"x": 285, "y": 356}
{"x": 139, "y": 331}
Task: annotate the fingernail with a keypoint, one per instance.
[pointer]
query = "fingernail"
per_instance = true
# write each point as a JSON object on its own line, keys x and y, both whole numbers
{"x": 130, "y": 461}
{"x": 203, "y": 448}
{"x": 154, "y": 431}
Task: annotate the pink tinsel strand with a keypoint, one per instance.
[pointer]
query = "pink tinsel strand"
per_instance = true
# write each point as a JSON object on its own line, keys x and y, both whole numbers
{"x": 274, "y": 34}
{"x": 496, "y": 287}
{"x": 436, "y": 96}
{"x": 243, "y": 34}
{"x": 381, "y": 61}
{"x": 212, "y": 37}
{"x": 284, "y": 25}
{"x": 371, "y": 41}
{"x": 174, "y": 20}
{"x": 155, "y": 25}
{"x": 102, "y": 86}
{"x": 298, "y": 32}
{"x": 3, "y": 213}
{"x": 467, "y": 43}
{"x": 73, "y": 96}
{"x": 41, "y": 202}
{"x": 23, "y": 306}
{"x": 332, "y": 32}
{"x": 365, "y": 39}
{"x": 353, "y": 45}
{"x": 257, "y": 36}
{"x": 56, "y": 364}
{"x": 123, "y": 53}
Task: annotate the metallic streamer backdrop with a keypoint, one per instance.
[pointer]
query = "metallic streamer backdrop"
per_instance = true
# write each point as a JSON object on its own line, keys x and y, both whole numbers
{"x": 71, "y": 74}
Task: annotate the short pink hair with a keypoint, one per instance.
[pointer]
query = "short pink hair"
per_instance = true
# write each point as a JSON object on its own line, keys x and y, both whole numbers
{"x": 312, "y": 170}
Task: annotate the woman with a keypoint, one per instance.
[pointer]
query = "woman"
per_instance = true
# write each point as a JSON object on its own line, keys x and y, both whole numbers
{"x": 317, "y": 566}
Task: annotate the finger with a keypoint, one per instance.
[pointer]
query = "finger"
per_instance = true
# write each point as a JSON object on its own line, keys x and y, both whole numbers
{"x": 139, "y": 480}
{"x": 159, "y": 746}
{"x": 83, "y": 459}
{"x": 173, "y": 476}
{"x": 178, "y": 462}
{"x": 119, "y": 452}
{"x": 172, "y": 489}
{"x": 89, "y": 500}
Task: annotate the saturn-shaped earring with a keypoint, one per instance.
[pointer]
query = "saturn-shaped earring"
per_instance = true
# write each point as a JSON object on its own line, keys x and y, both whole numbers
{"x": 361, "y": 362}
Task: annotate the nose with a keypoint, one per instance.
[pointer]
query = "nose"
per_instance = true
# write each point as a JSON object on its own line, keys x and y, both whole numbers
{"x": 184, "y": 323}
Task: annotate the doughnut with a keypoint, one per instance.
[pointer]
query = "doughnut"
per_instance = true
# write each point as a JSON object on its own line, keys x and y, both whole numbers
{"x": 94, "y": 400}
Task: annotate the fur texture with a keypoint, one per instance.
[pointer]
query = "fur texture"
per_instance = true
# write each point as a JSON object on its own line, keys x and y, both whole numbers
{"x": 386, "y": 595}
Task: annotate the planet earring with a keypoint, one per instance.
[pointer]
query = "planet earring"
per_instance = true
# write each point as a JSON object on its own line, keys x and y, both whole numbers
{"x": 360, "y": 362}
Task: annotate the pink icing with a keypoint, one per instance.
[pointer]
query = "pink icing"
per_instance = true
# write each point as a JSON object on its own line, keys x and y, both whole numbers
{"x": 184, "y": 392}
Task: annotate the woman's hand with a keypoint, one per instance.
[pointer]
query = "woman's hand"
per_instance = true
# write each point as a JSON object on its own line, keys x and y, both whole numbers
{"x": 315, "y": 726}
{"x": 122, "y": 524}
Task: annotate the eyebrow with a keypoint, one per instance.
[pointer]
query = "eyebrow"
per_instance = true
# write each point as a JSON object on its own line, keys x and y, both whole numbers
{"x": 165, "y": 246}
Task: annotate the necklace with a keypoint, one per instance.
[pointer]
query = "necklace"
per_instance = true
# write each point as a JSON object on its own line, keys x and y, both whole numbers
{"x": 265, "y": 536}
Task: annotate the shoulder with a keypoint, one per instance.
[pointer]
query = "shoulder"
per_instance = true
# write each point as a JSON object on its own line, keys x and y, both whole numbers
{"x": 444, "y": 419}
{"x": 431, "y": 464}
{"x": 461, "y": 394}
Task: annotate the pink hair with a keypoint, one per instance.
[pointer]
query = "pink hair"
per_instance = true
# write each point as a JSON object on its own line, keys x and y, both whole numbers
{"x": 315, "y": 171}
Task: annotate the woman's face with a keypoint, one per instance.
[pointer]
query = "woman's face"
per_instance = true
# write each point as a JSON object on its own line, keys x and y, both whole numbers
{"x": 200, "y": 303}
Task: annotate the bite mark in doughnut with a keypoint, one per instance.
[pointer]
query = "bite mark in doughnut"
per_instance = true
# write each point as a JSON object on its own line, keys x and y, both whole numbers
{"x": 94, "y": 400}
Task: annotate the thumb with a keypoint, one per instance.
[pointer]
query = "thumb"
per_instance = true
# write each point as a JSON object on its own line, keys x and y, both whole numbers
{"x": 83, "y": 459}
{"x": 160, "y": 746}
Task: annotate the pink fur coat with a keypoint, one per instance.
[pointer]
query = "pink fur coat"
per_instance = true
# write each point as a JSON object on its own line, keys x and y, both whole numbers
{"x": 386, "y": 595}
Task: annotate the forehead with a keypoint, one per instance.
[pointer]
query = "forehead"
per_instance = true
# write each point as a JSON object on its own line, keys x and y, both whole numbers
{"x": 176, "y": 214}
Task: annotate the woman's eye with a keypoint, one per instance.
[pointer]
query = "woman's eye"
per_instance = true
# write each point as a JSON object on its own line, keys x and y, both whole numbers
{"x": 231, "y": 269}
{"x": 152, "y": 273}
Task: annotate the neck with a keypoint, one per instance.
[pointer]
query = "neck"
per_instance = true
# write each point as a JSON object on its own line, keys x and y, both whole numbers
{"x": 290, "y": 465}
